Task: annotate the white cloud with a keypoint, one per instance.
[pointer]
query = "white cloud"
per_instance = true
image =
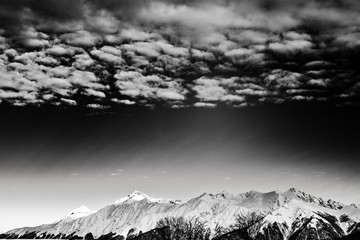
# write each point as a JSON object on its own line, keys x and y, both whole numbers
{"x": 249, "y": 37}
{"x": 102, "y": 22}
{"x": 95, "y": 93}
{"x": 169, "y": 95}
{"x": 68, "y": 101}
{"x": 302, "y": 98}
{"x": 59, "y": 51}
{"x": 146, "y": 49}
{"x": 134, "y": 84}
{"x": 60, "y": 71}
{"x": 35, "y": 43}
{"x": 107, "y": 57}
{"x": 239, "y": 53}
{"x": 135, "y": 34}
{"x": 208, "y": 89}
{"x": 111, "y": 50}
{"x": 85, "y": 79}
{"x": 97, "y": 106}
{"x": 281, "y": 78}
{"x": 317, "y": 82}
{"x": 172, "y": 50}
{"x": 80, "y": 39}
{"x": 83, "y": 61}
{"x": 252, "y": 92}
{"x": 27, "y": 96}
{"x": 202, "y": 104}
{"x": 15, "y": 66}
{"x": 123, "y": 101}
{"x": 232, "y": 98}
{"x": 11, "y": 52}
{"x": 291, "y": 46}
{"x": 292, "y": 35}
{"x": 349, "y": 39}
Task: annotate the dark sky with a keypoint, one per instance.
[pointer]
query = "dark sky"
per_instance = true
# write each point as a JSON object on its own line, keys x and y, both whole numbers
{"x": 174, "y": 98}
{"x": 72, "y": 157}
{"x": 60, "y": 140}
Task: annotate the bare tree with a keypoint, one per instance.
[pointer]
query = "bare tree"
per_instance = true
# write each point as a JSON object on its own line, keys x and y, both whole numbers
{"x": 183, "y": 229}
{"x": 220, "y": 230}
{"x": 245, "y": 220}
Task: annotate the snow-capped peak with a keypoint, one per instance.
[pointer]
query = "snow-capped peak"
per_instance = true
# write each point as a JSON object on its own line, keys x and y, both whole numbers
{"x": 221, "y": 195}
{"x": 139, "y": 196}
{"x": 286, "y": 212}
{"x": 79, "y": 212}
{"x": 312, "y": 199}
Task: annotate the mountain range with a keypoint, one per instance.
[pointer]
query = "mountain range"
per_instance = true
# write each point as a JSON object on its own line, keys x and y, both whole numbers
{"x": 290, "y": 215}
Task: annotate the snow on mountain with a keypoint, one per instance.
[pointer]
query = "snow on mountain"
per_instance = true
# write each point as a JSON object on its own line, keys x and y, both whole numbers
{"x": 80, "y": 212}
{"x": 312, "y": 199}
{"x": 76, "y": 213}
{"x": 286, "y": 213}
{"x": 138, "y": 196}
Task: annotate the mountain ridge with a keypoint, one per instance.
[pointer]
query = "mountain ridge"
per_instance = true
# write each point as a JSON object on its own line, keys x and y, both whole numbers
{"x": 285, "y": 213}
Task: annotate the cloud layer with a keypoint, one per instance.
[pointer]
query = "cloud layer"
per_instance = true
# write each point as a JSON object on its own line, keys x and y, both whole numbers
{"x": 178, "y": 53}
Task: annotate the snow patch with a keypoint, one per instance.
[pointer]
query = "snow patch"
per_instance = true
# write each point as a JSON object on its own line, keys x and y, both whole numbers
{"x": 139, "y": 196}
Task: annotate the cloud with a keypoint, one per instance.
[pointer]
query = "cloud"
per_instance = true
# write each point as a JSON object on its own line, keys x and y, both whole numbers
{"x": 14, "y": 14}
{"x": 97, "y": 106}
{"x": 83, "y": 61}
{"x": 238, "y": 53}
{"x": 206, "y": 105}
{"x": 169, "y": 95}
{"x": 60, "y": 71}
{"x": 107, "y": 57}
{"x": 134, "y": 34}
{"x": 69, "y": 101}
{"x": 102, "y": 21}
{"x": 149, "y": 50}
{"x": 208, "y": 89}
{"x": 249, "y": 37}
{"x": 178, "y": 53}
{"x": 351, "y": 39}
{"x": 317, "y": 82}
{"x": 85, "y": 79}
{"x": 283, "y": 79}
{"x": 134, "y": 84}
{"x": 59, "y": 51}
{"x": 289, "y": 46}
{"x": 81, "y": 38}
{"x": 123, "y": 101}
{"x": 251, "y": 92}
{"x": 213, "y": 90}
{"x": 95, "y": 93}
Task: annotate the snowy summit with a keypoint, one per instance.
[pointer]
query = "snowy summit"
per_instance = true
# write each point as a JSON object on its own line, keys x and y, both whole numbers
{"x": 79, "y": 212}
{"x": 139, "y": 196}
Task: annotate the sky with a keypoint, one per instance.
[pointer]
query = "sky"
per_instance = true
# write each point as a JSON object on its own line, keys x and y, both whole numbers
{"x": 174, "y": 98}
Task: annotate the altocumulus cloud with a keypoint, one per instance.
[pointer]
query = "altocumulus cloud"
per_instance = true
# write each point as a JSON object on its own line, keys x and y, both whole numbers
{"x": 178, "y": 53}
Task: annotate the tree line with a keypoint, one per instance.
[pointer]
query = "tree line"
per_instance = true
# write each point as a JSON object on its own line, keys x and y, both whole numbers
{"x": 180, "y": 228}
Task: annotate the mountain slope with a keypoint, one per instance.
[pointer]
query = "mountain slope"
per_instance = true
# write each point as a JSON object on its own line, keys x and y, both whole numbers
{"x": 291, "y": 215}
